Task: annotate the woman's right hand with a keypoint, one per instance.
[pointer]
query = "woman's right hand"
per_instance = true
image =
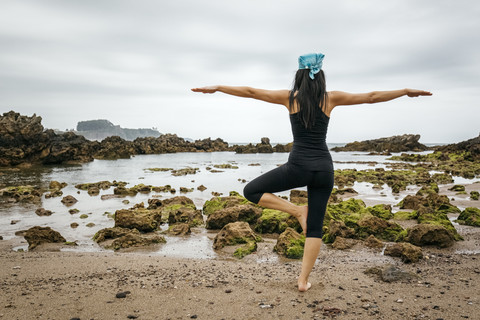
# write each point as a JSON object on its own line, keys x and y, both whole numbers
{"x": 209, "y": 89}
{"x": 415, "y": 93}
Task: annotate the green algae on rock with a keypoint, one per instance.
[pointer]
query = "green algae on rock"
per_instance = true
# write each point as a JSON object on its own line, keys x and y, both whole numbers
{"x": 39, "y": 235}
{"x": 275, "y": 221}
{"x": 290, "y": 244}
{"x": 22, "y": 193}
{"x": 429, "y": 235}
{"x": 125, "y": 238}
{"x": 236, "y": 233}
{"x": 406, "y": 251}
{"x": 222, "y": 217}
{"x": 474, "y": 195}
{"x": 248, "y": 248}
{"x": 218, "y": 203}
{"x": 470, "y": 216}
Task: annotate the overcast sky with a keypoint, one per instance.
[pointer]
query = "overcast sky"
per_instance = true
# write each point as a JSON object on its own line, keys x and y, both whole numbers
{"x": 134, "y": 62}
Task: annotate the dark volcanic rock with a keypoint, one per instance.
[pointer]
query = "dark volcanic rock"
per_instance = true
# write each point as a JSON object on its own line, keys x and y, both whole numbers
{"x": 24, "y": 140}
{"x": 471, "y": 146}
{"x": 406, "y": 142}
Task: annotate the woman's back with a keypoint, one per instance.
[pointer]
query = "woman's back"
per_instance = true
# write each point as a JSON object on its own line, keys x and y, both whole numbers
{"x": 310, "y": 149}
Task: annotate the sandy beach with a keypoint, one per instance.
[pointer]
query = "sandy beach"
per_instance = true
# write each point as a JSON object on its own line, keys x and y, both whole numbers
{"x": 46, "y": 284}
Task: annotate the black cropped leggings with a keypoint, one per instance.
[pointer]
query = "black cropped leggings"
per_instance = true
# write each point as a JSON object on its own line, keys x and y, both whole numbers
{"x": 288, "y": 176}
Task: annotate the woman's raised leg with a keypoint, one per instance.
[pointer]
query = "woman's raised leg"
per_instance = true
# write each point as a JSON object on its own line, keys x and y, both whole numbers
{"x": 271, "y": 201}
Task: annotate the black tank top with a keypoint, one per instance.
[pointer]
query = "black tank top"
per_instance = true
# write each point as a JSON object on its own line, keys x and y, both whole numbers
{"x": 309, "y": 146}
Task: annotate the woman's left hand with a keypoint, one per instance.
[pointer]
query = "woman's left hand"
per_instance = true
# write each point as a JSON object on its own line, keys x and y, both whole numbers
{"x": 209, "y": 89}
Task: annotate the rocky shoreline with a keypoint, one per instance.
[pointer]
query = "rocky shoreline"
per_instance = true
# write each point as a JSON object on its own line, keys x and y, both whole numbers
{"x": 24, "y": 141}
{"x": 377, "y": 261}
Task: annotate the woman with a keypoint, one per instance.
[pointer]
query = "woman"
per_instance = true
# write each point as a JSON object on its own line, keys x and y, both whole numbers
{"x": 309, "y": 163}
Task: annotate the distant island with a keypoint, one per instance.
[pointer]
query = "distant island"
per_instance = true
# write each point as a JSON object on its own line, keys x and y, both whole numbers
{"x": 101, "y": 129}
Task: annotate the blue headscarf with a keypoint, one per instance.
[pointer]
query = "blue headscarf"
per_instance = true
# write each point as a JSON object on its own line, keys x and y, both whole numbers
{"x": 312, "y": 61}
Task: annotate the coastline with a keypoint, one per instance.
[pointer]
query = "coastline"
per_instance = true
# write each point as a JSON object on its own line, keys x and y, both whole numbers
{"x": 68, "y": 285}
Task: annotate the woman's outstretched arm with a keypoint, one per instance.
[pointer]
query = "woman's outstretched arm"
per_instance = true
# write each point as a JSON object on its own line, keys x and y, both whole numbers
{"x": 339, "y": 98}
{"x": 271, "y": 96}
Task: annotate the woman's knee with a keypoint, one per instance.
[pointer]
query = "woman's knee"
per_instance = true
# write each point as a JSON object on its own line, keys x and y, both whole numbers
{"x": 251, "y": 193}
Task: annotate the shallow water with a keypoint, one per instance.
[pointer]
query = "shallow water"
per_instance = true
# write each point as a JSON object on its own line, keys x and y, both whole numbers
{"x": 134, "y": 172}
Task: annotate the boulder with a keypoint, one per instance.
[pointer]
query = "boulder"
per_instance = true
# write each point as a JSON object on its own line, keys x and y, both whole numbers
{"x": 218, "y": 203}
{"x": 141, "y": 219}
{"x": 373, "y": 242}
{"x": 234, "y": 233}
{"x": 125, "y": 238}
{"x": 337, "y": 228}
{"x": 179, "y": 229}
{"x": 43, "y": 212}
{"x": 220, "y": 218}
{"x": 382, "y": 229}
{"x": 406, "y": 251}
{"x": 38, "y": 235}
{"x": 69, "y": 200}
{"x": 187, "y": 215}
{"x": 22, "y": 193}
{"x": 474, "y": 195}
{"x": 290, "y": 244}
{"x": 341, "y": 243}
{"x": 470, "y": 216}
{"x": 298, "y": 196}
{"x": 55, "y": 185}
{"x": 406, "y": 142}
{"x": 429, "y": 234}
{"x": 111, "y": 233}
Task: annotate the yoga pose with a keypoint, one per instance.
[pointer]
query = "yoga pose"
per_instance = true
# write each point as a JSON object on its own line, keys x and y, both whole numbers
{"x": 309, "y": 163}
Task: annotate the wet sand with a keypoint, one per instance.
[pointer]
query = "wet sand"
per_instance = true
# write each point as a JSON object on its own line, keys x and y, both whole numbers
{"x": 68, "y": 285}
{"x": 85, "y": 285}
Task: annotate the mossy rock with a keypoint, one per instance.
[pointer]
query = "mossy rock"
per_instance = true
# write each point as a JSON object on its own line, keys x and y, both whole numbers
{"x": 350, "y": 211}
{"x": 382, "y": 229}
{"x": 429, "y": 235}
{"x": 405, "y": 215}
{"x": 337, "y": 228}
{"x": 237, "y": 233}
{"x": 457, "y": 188}
{"x": 248, "y": 248}
{"x": 425, "y": 190}
{"x": 474, "y": 195}
{"x": 470, "y": 216}
{"x": 430, "y": 216}
{"x": 84, "y": 216}
{"x": 290, "y": 244}
{"x": 218, "y": 203}
{"x": 382, "y": 211}
{"x": 272, "y": 221}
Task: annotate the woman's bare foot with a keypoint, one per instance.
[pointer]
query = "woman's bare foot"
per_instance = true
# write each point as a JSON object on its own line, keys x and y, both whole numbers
{"x": 302, "y": 218}
{"x": 302, "y": 287}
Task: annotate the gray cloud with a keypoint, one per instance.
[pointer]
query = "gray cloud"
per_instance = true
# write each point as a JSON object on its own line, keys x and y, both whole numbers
{"x": 134, "y": 62}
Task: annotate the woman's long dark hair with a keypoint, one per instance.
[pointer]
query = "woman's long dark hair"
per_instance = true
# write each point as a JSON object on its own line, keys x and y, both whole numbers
{"x": 310, "y": 94}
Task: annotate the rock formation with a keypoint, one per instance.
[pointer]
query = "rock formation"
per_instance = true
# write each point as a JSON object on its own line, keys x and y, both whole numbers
{"x": 406, "y": 142}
